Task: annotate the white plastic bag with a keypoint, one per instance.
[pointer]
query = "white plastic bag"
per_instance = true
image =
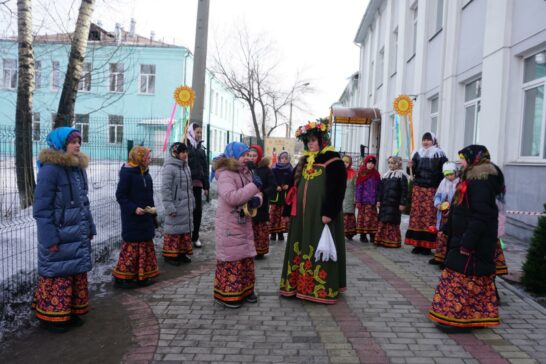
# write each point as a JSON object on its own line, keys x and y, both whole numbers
{"x": 326, "y": 249}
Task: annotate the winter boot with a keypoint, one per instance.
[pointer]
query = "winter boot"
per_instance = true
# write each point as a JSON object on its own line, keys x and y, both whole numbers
{"x": 363, "y": 238}
{"x": 172, "y": 261}
{"x": 281, "y": 237}
{"x": 372, "y": 238}
{"x": 273, "y": 237}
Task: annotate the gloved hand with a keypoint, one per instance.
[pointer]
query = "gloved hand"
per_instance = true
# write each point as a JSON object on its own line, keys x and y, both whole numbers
{"x": 257, "y": 181}
{"x": 254, "y": 202}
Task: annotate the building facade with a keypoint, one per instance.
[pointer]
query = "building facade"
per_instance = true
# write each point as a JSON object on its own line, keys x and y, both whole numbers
{"x": 476, "y": 70}
{"x": 125, "y": 93}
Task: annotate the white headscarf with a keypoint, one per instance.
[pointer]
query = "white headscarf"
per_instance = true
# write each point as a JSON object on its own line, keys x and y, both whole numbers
{"x": 191, "y": 135}
{"x": 433, "y": 151}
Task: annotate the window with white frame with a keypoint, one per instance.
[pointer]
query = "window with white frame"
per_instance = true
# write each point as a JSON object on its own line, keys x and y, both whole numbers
{"x": 437, "y": 17}
{"x": 37, "y": 75}
{"x": 10, "y": 73}
{"x": 394, "y": 52}
{"x": 55, "y": 75}
{"x": 414, "y": 13}
{"x": 115, "y": 129}
{"x": 472, "y": 106}
{"x": 434, "y": 114}
{"x": 36, "y": 126}
{"x": 147, "y": 79}
{"x": 81, "y": 123}
{"x": 116, "y": 77}
{"x": 85, "y": 80}
{"x": 379, "y": 68}
{"x": 533, "y": 142}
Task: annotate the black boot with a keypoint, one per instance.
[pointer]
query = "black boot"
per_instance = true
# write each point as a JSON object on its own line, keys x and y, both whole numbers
{"x": 281, "y": 236}
{"x": 416, "y": 250}
{"x": 426, "y": 251}
{"x": 172, "y": 261}
{"x": 184, "y": 258}
{"x": 363, "y": 238}
{"x": 273, "y": 237}
{"x": 55, "y": 327}
{"x": 372, "y": 238}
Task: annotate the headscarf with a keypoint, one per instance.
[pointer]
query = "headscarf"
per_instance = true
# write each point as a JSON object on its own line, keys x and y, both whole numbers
{"x": 177, "y": 148}
{"x": 58, "y": 138}
{"x": 137, "y": 155}
{"x": 283, "y": 166}
{"x": 350, "y": 171}
{"x": 474, "y": 154}
{"x": 432, "y": 151}
{"x": 397, "y": 172}
{"x": 258, "y": 150}
{"x": 191, "y": 135}
{"x": 233, "y": 150}
{"x": 364, "y": 173}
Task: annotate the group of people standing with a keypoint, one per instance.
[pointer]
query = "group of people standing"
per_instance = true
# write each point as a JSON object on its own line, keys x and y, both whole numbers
{"x": 257, "y": 202}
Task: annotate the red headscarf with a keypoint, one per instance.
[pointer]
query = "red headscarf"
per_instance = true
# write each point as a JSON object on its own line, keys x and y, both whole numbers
{"x": 364, "y": 173}
{"x": 350, "y": 171}
{"x": 258, "y": 150}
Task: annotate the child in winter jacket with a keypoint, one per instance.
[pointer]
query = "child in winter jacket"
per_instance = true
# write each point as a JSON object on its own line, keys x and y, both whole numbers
{"x": 178, "y": 202}
{"x": 283, "y": 172}
{"x": 392, "y": 200}
{"x": 349, "y": 220}
{"x": 367, "y": 185}
{"x": 238, "y": 194}
{"x": 260, "y": 222}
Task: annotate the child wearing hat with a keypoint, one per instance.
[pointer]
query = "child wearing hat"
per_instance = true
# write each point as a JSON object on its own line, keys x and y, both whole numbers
{"x": 349, "y": 220}
{"x": 367, "y": 184}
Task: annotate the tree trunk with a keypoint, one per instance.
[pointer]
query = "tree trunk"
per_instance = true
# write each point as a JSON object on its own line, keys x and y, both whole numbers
{"x": 65, "y": 112}
{"x": 23, "y": 110}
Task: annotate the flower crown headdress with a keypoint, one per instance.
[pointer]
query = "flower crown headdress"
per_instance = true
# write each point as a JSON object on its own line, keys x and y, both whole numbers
{"x": 312, "y": 127}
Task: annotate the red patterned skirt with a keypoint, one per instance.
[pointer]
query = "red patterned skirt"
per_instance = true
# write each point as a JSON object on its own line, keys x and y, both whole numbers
{"x": 277, "y": 222}
{"x": 465, "y": 301}
{"x": 234, "y": 281}
{"x": 261, "y": 237}
{"x": 441, "y": 248}
{"x": 422, "y": 217}
{"x": 57, "y": 298}
{"x": 367, "y": 220}
{"x": 176, "y": 245}
{"x": 388, "y": 235}
{"x": 500, "y": 260}
{"x": 349, "y": 223}
{"x": 137, "y": 260}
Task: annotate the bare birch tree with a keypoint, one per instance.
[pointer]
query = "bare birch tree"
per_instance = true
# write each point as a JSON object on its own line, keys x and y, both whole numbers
{"x": 65, "y": 112}
{"x": 23, "y": 108}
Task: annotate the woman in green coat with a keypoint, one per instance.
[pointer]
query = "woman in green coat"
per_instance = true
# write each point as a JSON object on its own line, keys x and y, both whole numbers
{"x": 315, "y": 200}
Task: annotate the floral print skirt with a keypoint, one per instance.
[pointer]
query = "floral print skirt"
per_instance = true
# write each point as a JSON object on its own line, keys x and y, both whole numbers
{"x": 388, "y": 235}
{"x": 261, "y": 237}
{"x": 57, "y": 298}
{"x": 500, "y": 260}
{"x": 422, "y": 222}
{"x": 137, "y": 260}
{"x": 441, "y": 248}
{"x": 367, "y": 220}
{"x": 277, "y": 222}
{"x": 465, "y": 301}
{"x": 349, "y": 223}
{"x": 234, "y": 281}
{"x": 176, "y": 245}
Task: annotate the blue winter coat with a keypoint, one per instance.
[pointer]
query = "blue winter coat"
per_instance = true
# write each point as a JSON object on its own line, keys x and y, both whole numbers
{"x": 63, "y": 217}
{"x": 135, "y": 189}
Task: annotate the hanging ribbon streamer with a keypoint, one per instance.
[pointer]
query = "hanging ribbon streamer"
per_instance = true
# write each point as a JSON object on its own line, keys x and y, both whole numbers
{"x": 185, "y": 97}
{"x": 397, "y": 140}
{"x": 169, "y": 126}
{"x": 403, "y": 105}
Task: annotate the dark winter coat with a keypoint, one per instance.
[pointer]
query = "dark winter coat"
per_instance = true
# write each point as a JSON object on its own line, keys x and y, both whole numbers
{"x": 199, "y": 165}
{"x": 177, "y": 196}
{"x": 269, "y": 189}
{"x": 472, "y": 223}
{"x": 63, "y": 217}
{"x": 393, "y": 192}
{"x": 135, "y": 189}
{"x": 428, "y": 171}
{"x": 282, "y": 177}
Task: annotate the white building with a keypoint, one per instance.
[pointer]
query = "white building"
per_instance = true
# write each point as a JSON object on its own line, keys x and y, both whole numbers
{"x": 477, "y": 72}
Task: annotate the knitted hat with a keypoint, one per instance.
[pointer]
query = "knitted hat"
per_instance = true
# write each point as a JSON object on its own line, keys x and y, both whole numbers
{"x": 235, "y": 150}
{"x": 449, "y": 168}
{"x": 177, "y": 148}
{"x": 258, "y": 149}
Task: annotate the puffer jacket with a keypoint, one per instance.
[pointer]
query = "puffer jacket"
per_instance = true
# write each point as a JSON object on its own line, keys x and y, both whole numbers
{"x": 393, "y": 192}
{"x": 135, "y": 189}
{"x": 234, "y": 235}
{"x": 473, "y": 222}
{"x": 269, "y": 189}
{"x": 349, "y": 199}
{"x": 428, "y": 171}
{"x": 177, "y": 196}
{"x": 63, "y": 217}
{"x": 199, "y": 165}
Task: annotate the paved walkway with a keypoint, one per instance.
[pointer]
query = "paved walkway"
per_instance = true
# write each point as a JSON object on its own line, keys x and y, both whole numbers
{"x": 380, "y": 319}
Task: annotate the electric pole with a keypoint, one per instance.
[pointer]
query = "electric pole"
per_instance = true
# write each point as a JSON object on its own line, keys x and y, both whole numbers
{"x": 200, "y": 60}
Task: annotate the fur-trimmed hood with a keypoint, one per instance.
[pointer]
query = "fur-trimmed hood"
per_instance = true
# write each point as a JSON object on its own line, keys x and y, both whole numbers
{"x": 481, "y": 171}
{"x": 63, "y": 159}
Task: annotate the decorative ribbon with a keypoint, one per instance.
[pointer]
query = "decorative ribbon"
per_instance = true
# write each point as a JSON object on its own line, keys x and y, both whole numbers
{"x": 169, "y": 128}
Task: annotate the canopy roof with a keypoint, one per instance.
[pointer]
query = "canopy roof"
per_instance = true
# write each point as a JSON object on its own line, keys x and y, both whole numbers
{"x": 355, "y": 115}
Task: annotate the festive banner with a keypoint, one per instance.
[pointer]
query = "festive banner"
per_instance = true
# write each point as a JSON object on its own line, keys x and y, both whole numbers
{"x": 185, "y": 97}
{"x": 403, "y": 105}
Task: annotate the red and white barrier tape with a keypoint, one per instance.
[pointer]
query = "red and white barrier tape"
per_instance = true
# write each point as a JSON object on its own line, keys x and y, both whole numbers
{"x": 530, "y": 213}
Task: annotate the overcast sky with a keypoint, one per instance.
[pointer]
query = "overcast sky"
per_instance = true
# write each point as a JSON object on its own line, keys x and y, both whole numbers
{"x": 312, "y": 36}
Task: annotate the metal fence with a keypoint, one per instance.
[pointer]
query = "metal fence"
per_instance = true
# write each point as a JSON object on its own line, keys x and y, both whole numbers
{"x": 18, "y": 241}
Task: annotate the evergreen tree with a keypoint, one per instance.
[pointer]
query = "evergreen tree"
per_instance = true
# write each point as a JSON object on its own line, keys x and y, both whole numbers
{"x": 534, "y": 269}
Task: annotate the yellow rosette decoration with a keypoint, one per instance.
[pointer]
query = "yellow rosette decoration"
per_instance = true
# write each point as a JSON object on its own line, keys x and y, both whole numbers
{"x": 403, "y": 105}
{"x": 184, "y": 96}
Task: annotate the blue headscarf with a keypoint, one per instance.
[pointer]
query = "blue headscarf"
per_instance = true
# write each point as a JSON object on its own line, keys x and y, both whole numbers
{"x": 233, "y": 150}
{"x": 56, "y": 139}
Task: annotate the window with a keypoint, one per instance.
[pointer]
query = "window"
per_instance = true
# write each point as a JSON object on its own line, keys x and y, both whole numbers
{"x": 533, "y": 143}
{"x": 414, "y": 13}
{"x": 82, "y": 124}
{"x": 115, "y": 129}
{"x": 55, "y": 75}
{"x": 36, "y": 126}
{"x": 394, "y": 52}
{"x": 10, "y": 73}
{"x": 116, "y": 77}
{"x": 434, "y": 114}
{"x": 472, "y": 105}
{"x": 379, "y": 69}
{"x": 85, "y": 80}
{"x": 37, "y": 74}
{"x": 147, "y": 79}
{"x": 439, "y": 16}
